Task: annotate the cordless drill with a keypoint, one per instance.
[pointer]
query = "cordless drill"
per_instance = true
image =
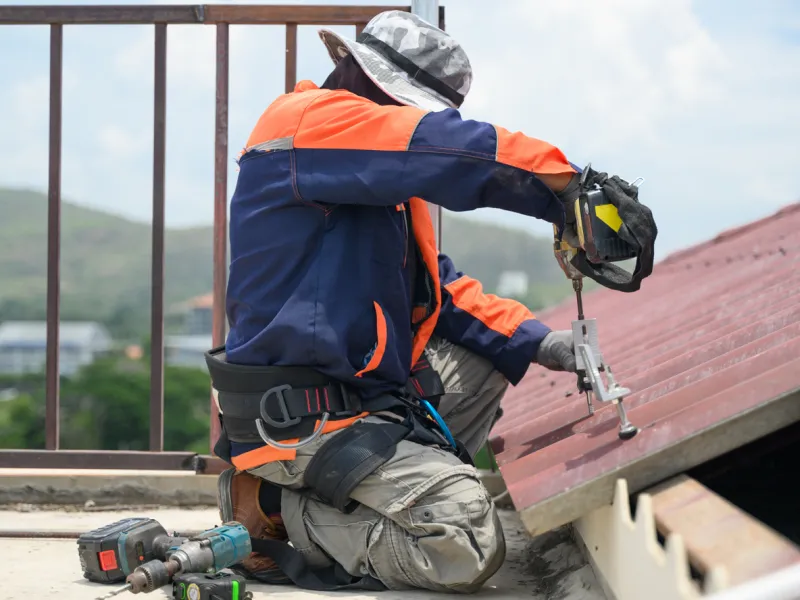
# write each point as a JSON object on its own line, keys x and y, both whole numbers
{"x": 597, "y": 222}
{"x": 208, "y": 552}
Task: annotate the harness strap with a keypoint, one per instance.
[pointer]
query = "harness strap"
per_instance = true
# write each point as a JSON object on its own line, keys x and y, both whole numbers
{"x": 425, "y": 382}
{"x": 293, "y": 564}
{"x": 283, "y": 406}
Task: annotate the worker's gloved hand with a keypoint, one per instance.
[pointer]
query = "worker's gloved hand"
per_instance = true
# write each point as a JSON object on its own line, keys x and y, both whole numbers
{"x": 638, "y": 229}
{"x": 557, "y": 351}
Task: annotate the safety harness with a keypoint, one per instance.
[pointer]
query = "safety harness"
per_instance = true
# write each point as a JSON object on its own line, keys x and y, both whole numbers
{"x": 288, "y": 407}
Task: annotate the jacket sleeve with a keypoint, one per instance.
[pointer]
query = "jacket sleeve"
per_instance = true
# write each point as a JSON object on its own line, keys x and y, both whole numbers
{"x": 501, "y": 330}
{"x": 350, "y": 150}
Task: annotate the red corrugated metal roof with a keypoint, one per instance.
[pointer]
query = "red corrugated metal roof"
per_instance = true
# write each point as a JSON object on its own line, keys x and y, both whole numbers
{"x": 712, "y": 338}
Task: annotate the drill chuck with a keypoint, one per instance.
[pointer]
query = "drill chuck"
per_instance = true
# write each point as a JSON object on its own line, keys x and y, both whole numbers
{"x": 151, "y": 576}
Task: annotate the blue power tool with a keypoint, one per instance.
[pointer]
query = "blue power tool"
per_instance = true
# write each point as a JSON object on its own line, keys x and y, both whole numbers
{"x": 208, "y": 552}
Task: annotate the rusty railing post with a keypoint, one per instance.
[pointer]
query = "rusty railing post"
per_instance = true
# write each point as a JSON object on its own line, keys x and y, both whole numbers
{"x": 52, "y": 412}
{"x": 291, "y": 56}
{"x": 157, "y": 282}
{"x": 220, "y": 206}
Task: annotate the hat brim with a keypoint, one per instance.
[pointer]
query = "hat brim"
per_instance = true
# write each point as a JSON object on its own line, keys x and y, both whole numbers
{"x": 389, "y": 77}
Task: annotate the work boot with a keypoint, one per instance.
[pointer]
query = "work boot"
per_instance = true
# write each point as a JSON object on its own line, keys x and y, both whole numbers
{"x": 238, "y": 499}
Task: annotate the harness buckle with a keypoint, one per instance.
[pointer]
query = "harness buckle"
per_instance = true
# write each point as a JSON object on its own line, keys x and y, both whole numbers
{"x": 287, "y": 421}
{"x": 299, "y": 444}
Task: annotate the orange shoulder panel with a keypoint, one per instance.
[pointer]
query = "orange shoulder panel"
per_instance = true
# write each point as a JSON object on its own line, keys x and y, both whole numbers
{"x": 518, "y": 150}
{"x": 282, "y": 117}
{"x": 340, "y": 120}
{"x": 498, "y": 314}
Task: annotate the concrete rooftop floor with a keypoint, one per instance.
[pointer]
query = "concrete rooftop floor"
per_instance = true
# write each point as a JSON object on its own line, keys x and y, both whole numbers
{"x": 550, "y": 567}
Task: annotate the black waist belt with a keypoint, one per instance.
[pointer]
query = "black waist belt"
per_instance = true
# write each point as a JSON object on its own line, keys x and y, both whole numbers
{"x": 284, "y": 399}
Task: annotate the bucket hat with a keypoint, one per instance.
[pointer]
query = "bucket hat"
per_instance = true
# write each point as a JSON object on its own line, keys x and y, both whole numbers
{"x": 412, "y": 61}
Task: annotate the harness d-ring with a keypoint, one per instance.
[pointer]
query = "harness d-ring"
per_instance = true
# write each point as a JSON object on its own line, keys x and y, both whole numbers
{"x": 287, "y": 421}
{"x": 281, "y": 446}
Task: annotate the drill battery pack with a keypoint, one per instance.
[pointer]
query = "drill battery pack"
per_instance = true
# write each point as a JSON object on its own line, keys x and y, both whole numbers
{"x": 598, "y": 224}
{"x": 109, "y": 554}
{"x": 202, "y": 586}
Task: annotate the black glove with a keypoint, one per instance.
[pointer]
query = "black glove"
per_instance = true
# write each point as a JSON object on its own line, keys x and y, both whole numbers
{"x": 638, "y": 229}
{"x": 557, "y": 351}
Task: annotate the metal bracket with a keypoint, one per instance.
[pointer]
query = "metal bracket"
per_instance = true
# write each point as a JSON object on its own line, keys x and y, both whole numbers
{"x": 589, "y": 361}
{"x": 584, "y": 332}
{"x": 614, "y": 390}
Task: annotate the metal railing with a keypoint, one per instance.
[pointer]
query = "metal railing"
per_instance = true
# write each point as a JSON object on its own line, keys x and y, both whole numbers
{"x": 160, "y": 16}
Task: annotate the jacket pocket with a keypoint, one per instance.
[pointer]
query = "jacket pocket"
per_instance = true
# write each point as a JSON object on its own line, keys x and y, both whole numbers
{"x": 380, "y": 345}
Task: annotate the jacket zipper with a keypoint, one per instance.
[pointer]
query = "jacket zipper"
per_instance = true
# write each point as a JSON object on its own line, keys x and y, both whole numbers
{"x": 402, "y": 208}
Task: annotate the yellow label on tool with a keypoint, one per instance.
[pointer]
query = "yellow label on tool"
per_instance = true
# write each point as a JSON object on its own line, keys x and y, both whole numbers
{"x": 608, "y": 214}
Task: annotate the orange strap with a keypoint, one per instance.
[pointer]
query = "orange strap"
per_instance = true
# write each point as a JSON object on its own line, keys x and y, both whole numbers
{"x": 268, "y": 454}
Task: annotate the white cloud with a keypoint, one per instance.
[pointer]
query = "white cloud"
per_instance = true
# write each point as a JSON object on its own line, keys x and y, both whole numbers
{"x": 190, "y": 56}
{"x": 645, "y": 88}
{"x": 120, "y": 143}
{"x": 704, "y": 107}
{"x": 592, "y": 73}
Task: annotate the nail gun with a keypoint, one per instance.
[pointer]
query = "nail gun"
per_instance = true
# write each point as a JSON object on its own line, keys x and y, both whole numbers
{"x": 597, "y": 223}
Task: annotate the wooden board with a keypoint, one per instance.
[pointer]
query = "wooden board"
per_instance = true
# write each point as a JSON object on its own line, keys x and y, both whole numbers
{"x": 718, "y": 534}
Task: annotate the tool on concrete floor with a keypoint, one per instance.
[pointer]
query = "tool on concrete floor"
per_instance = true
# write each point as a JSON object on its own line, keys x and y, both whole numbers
{"x": 219, "y": 586}
{"x": 208, "y": 552}
{"x": 596, "y": 222}
{"x": 111, "y": 553}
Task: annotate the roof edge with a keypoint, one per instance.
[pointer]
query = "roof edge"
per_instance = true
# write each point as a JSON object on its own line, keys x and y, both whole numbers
{"x": 729, "y": 234}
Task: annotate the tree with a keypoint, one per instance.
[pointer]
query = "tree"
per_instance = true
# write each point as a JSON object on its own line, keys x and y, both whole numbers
{"x": 106, "y": 407}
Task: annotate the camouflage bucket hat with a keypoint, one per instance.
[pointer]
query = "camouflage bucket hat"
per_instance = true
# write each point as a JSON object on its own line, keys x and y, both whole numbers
{"x": 414, "y": 62}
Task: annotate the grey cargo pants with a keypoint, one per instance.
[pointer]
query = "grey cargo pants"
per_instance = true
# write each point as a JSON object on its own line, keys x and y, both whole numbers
{"x": 424, "y": 519}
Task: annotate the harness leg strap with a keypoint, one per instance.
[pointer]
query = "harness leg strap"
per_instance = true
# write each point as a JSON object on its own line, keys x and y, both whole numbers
{"x": 293, "y": 564}
{"x": 347, "y": 458}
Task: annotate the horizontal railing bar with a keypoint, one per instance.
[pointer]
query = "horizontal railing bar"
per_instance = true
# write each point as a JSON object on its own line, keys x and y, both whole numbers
{"x": 112, "y": 459}
{"x": 99, "y": 459}
{"x": 301, "y": 15}
{"x": 209, "y": 14}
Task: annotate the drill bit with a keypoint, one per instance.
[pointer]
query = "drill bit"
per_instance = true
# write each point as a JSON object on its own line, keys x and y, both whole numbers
{"x": 124, "y": 588}
{"x": 577, "y": 285}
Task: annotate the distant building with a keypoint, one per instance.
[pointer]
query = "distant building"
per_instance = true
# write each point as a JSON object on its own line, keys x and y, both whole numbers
{"x": 512, "y": 284}
{"x": 187, "y": 350}
{"x": 23, "y": 346}
{"x": 198, "y": 315}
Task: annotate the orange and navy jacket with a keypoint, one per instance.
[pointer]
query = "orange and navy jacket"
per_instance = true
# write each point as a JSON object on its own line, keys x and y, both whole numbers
{"x": 329, "y": 211}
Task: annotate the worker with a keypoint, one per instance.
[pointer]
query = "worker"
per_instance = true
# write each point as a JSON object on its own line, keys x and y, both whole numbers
{"x": 362, "y": 371}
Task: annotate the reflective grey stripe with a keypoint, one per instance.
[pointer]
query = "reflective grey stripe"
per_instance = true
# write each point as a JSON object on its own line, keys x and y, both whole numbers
{"x": 285, "y": 143}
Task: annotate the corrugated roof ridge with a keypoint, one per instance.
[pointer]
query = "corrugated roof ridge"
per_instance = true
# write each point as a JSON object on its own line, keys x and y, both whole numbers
{"x": 729, "y": 234}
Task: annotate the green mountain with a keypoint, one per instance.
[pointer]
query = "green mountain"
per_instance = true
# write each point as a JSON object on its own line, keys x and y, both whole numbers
{"x": 105, "y": 262}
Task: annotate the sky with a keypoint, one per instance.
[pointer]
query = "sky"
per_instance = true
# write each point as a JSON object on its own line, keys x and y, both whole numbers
{"x": 700, "y": 98}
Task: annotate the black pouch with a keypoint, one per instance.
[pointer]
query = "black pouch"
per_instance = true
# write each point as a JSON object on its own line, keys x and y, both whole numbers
{"x": 348, "y": 457}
